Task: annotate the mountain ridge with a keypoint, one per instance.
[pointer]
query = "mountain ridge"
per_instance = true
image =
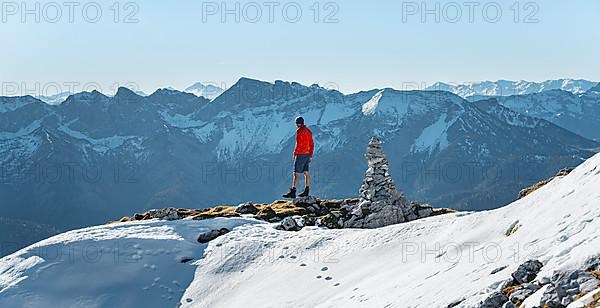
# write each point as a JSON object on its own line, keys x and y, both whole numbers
{"x": 508, "y": 87}
{"x": 467, "y": 90}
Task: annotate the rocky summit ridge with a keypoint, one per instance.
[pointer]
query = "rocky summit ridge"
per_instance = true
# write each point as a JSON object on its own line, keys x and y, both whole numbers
{"x": 379, "y": 204}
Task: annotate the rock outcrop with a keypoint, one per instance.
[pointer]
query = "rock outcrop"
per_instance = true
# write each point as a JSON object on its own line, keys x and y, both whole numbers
{"x": 527, "y": 271}
{"x": 206, "y": 237}
{"x": 526, "y": 191}
{"x": 562, "y": 289}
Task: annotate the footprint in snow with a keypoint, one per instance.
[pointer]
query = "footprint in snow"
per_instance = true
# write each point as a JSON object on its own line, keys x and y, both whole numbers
{"x": 337, "y": 284}
{"x": 302, "y": 264}
{"x": 324, "y": 269}
{"x": 319, "y": 277}
{"x": 328, "y": 278}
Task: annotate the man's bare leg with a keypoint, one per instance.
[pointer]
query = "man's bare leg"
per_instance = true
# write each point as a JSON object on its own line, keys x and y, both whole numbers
{"x": 306, "y": 179}
{"x": 295, "y": 180}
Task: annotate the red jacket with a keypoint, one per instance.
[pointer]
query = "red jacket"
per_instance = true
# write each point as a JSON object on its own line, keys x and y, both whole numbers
{"x": 304, "y": 141}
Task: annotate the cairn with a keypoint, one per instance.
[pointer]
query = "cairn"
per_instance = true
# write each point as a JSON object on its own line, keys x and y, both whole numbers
{"x": 380, "y": 203}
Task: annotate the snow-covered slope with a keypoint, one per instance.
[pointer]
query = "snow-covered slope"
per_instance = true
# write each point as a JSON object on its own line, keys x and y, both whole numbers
{"x": 453, "y": 258}
{"x": 118, "y": 265}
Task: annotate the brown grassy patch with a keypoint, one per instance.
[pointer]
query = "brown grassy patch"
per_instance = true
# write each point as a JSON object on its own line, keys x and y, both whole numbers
{"x": 284, "y": 208}
{"x": 509, "y": 290}
{"x": 217, "y": 211}
{"x": 580, "y": 295}
{"x": 336, "y": 204}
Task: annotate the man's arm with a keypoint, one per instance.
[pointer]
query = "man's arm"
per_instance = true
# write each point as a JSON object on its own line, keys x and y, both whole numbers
{"x": 311, "y": 145}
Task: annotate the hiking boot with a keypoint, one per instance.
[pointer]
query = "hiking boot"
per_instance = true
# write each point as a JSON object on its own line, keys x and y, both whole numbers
{"x": 304, "y": 193}
{"x": 291, "y": 193}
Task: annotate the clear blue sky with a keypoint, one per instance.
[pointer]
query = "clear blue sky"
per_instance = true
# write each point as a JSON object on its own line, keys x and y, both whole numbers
{"x": 369, "y": 47}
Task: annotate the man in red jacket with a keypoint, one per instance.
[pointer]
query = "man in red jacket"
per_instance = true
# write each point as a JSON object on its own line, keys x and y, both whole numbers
{"x": 302, "y": 156}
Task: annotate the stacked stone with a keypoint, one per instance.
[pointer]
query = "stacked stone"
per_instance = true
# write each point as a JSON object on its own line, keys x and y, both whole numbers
{"x": 380, "y": 203}
{"x": 378, "y": 185}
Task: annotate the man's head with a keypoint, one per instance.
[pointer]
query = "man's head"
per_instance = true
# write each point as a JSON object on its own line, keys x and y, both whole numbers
{"x": 299, "y": 121}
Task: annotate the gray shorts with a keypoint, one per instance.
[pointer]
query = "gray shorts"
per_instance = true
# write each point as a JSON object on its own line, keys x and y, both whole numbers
{"x": 301, "y": 163}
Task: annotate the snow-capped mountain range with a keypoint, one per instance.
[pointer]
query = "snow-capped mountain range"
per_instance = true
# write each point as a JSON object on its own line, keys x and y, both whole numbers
{"x": 547, "y": 242}
{"x": 577, "y": 113}
{"x": 468, "y": 90}
{"x": 508, "y": 88}
{"x": 95, "y": 157}
{"x": 209, "y": 91}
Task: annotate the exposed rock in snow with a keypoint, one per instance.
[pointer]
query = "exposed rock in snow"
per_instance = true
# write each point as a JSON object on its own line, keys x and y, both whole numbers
{"x": 206, "y": 237}
{"x": 165, "y": 214}
{"x": 267, "y": 214}
{"x": 495, "y": 300}
{"x": 246, "y": 208}
{"x": 520, "y": 293}
{"x": 291, "y": 223}
{"x": 527, "y": 271}
{"x": 526, "y": 191}
{"x": 567, "y": 286}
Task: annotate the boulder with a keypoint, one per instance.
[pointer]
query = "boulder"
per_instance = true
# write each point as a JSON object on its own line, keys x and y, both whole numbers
{"x": 494, "y": 300}
{"x": 208, "y": 236}
{"x": 509, "y": 305}
{"x": 332, "y": 220}
{"x": 267, "y": 214}
{"x": 291, "y": 223}
{"x": 246, "y": 208}
{"x": 168, "y": 213}
{"x": 527, "y": 271}
{"x": 309, "y": 220}
{"x": 305, "y": 201}
{"x": 522, "y": 292}
{"x": 565, "y": 287}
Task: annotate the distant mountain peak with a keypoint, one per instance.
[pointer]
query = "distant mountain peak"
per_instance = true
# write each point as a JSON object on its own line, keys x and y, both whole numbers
{"x": 123, "y": 91}
{"x": 206, "y": 90}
